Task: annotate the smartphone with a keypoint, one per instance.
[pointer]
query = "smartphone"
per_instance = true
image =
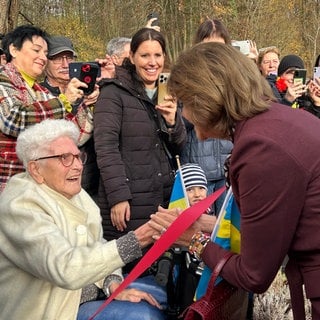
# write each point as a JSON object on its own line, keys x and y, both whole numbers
{"x": 162, "y": 86}
{"x": 153, "y": 15}
{"x": 87, "y": 72}
{"x": 300, "y": 76}
{"x": 75, "y": 68}
{"x": 242, "y": 45}
{"x": 316, "y": 72}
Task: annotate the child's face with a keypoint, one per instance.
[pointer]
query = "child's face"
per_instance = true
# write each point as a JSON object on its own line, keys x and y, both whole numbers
{"x": 195, "y": 194}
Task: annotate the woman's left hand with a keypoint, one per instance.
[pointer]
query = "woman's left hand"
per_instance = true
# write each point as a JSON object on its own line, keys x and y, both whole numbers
{"x": 168, "y": 110}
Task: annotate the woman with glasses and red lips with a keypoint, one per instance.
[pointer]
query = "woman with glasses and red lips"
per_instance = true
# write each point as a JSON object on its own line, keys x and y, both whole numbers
{"x": 51, "y": 236}
{"x": 23, "y": 101}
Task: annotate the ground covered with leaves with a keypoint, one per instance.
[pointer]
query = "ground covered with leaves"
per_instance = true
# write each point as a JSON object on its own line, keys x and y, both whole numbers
{"x": 275, "y": 304}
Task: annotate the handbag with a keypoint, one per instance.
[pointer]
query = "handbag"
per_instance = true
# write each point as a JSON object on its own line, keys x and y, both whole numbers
{"x": 220, "y": 302}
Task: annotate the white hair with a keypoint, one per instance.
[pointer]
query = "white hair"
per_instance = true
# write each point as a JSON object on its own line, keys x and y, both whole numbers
{"x": 35, "y": 141}
{"x": 116, "y": 45}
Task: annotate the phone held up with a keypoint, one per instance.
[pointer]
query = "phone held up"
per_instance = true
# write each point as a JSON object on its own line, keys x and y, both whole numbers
{"x": 154, "y": 23}
{"x": 316, "y": 73}
{"x": 162, "y": 86}
{"x": 300, "y": 76}
{"x": 86, "y": 72}
{"x": 242, "y": 45}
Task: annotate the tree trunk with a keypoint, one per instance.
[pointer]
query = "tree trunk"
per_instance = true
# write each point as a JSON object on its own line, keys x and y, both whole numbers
{"x": 8, "y": 15}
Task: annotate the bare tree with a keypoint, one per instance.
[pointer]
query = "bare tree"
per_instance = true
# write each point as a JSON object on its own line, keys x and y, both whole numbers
{"x": 8, "y": 15}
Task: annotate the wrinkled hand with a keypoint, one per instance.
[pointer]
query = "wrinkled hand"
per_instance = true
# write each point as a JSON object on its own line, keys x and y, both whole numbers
{"x": 73, "y": 91}
{"x": 145, "y": 234}
{"x": 92, "y": 97}
{"x": 168, "y": 109}
{"x": 120, "y": 213}
{"x": 163, "y": 218}
{"x": 134, "y": 295}
{"x": 107, "y": 67}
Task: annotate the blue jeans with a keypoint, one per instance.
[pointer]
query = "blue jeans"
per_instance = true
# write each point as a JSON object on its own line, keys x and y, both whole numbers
{"x": 119, "y": 310}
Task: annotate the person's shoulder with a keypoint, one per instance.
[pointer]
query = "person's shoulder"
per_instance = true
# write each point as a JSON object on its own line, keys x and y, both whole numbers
{"x": 4, "y": 76}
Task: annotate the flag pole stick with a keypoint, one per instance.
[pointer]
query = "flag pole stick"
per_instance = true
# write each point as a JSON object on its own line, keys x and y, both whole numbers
{"x": 182, "y": 180}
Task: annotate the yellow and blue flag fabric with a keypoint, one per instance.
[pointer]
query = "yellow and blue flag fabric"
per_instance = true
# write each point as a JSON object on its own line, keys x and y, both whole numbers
{"x": 178, "y": 197}
{"x": 226, "y": 234}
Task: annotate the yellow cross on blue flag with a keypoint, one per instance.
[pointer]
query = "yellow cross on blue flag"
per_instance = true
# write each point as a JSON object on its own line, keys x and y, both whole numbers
{"x": 226, "y": 234}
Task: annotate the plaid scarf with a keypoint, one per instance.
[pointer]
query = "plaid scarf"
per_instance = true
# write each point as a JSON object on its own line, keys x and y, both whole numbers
{"x": 20, "y": 107}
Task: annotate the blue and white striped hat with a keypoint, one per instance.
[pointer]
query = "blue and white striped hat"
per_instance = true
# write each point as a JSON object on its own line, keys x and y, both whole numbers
{"x": 193, "y": 176}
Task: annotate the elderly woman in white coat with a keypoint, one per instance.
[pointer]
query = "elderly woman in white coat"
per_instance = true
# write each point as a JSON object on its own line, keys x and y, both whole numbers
{"x": 51, "y": 234}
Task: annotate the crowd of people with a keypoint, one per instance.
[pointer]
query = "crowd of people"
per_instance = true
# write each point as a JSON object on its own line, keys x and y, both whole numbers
{"x": 86, "y": 179}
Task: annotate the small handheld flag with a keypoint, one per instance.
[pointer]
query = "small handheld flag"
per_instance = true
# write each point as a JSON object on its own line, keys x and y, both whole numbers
{"x": 178, "y": 197}
{"x": 226, "y": 233}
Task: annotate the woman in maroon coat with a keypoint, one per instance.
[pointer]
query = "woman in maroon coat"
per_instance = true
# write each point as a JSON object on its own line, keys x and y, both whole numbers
{"x": 274, "y": 171}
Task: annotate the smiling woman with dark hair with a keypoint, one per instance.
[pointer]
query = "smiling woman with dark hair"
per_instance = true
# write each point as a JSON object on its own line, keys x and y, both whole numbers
{"x": 23, "y": 101}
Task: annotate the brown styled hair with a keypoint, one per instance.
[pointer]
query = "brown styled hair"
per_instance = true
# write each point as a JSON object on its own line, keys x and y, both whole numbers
{"x": 218, "y": 85}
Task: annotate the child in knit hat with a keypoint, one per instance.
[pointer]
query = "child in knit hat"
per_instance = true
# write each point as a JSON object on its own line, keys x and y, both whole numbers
{"x": 195, "y": 182}
{"x": 284, "y": 88}
{"x": 188, "y": 268}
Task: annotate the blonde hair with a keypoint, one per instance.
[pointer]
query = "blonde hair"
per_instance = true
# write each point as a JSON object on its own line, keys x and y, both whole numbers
{"x": 218, "y": 85}
{"x": 264, "y": 51}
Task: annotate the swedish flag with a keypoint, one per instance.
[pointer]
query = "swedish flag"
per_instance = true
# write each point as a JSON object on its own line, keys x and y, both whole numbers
{"x": 226, "y": 234}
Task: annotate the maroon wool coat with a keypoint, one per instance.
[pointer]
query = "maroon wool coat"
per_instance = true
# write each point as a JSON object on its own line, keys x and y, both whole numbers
{"x": 275, "y": 176}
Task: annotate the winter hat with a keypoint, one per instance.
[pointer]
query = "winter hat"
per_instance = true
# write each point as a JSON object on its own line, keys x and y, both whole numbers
{"x": 193, "y": 176}
{"x": 58, "y": 44}
{"x": 290, "y": 61}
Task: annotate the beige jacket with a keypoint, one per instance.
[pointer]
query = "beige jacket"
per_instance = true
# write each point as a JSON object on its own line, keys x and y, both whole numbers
{"x": 50, "y": 248}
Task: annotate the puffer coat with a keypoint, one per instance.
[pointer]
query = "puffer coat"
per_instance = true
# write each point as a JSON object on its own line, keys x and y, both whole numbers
{"x": 133, "y": 146}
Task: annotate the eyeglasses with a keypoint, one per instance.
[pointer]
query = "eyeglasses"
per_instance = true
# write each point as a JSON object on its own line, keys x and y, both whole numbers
{"x": 67, "y": 159}
{"x": 59, "y": 59}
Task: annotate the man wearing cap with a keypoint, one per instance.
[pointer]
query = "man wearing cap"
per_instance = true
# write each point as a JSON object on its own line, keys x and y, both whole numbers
{"x": 57, "y": 81}
{"x": 61, "y": 53}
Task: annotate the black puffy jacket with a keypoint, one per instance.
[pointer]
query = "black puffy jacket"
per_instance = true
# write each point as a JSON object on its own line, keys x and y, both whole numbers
{"x": 130, "y": 140}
